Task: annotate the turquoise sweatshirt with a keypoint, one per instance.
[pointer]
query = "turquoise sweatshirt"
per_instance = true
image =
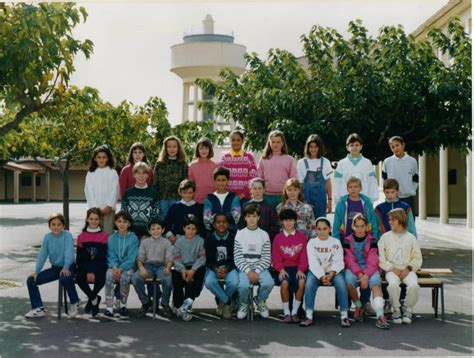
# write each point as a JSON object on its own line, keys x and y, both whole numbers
{"x": 122, "y": 250}
{"x": 59, "y": 249}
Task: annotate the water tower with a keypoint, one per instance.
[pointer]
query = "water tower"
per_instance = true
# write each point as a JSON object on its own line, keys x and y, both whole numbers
{"x": 202, "y": 54}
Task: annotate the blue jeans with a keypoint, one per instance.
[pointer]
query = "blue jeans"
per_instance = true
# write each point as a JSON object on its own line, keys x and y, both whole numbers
{"x": 352, "y": 279}
{"x": 49, "y": 275}
{"x": 155, "y": 271}
{"x": 165, "y": 206}
{"x": 312, "y": 284}
{"x": 265, "y": 282}
{"x": 231, "y": 283}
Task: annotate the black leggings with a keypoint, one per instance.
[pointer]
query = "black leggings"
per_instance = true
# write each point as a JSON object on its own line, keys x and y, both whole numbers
{"x": 81, "y": 280}
{"x": 183, "y": 290}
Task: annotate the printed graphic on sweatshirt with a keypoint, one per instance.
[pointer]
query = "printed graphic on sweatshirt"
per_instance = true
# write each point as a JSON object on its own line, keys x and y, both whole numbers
{"x": 92, "y": 251}
{"x": 221, "y": 253}
{"x": 291, "y": 250}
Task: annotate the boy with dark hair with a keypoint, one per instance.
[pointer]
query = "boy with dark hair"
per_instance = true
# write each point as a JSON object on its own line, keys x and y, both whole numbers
{"x": 404, "y": 169}
{"x": 252, "y": 253}
{"x": 174, "y": 221}
{"x": 355, "y": 165}
{"x": 221, "y": 201}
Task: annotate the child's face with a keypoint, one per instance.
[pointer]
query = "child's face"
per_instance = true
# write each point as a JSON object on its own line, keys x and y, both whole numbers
{"x": 359, "y": 228}
{"x": 172, "y": 148}
{"x": 322, "y": 230}
{"x": 252, "y": 220}
{"x": 276, "y": 143}
{"x": 236, "y": 142}
{"x": 391, "y": 194}
{"x": 137, "y": 155}
{"x": 190, "y": 231}
{"x": 221, "y": 183}
{"x": 187, "y": 194}
{"x": 395, "y": 224}
{"x": 353, "y": 189}
{"x": 156, "y": 231}
{"x": 93, "y": 221}
{"x": 203, "y": 151}
{"x": 397, "y": 148}
{"x": 122, "y": 225}
{"x": 221, "y": 225}
{"x": 313, "y": 150}
{"x": 289, "y": 225}
{"x": 257, "y": 191}
{"x": 292, "y": 193}
{"x": 354, "y": 148}
{"x": 101, "y": 159}
{"x": 56, "y": 226}
{"x": 141, "y": 177}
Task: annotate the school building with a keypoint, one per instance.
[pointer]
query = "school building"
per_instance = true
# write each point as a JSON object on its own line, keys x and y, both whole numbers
{"x": 445, "y": 188}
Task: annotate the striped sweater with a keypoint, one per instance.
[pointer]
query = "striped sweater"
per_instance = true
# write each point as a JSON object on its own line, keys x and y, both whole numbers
{"x": 252, "y": 250}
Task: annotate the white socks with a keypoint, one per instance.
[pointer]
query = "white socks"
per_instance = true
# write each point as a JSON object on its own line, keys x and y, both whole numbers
{"x": 296, "y": 306}
{"x": 309, "y": 314}
{"x": 377, "y": 304}
{"x": 344, "y": 314}
{"x": 286, "y": 308}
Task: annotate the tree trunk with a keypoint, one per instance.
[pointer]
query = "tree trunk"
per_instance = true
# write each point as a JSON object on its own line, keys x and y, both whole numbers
{"x": 65, "y": 178}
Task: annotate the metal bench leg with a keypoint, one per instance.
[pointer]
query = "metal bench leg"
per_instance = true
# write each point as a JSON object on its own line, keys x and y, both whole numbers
{"x": 154, "y": 299}
{"x": 442, "y": 301}
{"x": 436, "y": 301}
{"x": 60, "y": 300}
{"x": 65, "y": 300}
{"x": 433, "y": 298}
{"x": 250, "y": 304}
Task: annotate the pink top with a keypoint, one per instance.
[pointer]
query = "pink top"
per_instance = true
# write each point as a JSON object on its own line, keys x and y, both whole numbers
{"x": 127, "y": 180}
{"x": 201, "y": 172}
{"x": 370, "y": 254}
{"x": 276, "y": 171}
{"x": 242, "y": 170}
{"x": 290, "y": 251}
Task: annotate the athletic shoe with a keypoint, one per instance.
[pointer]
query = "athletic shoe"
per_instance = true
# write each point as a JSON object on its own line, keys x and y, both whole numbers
{"x": 35, "y": 313}
{"x": 220, "y": 309}
{"x": 382, "y": 323}
{"x": 109, "y": 314}
{"x": 306, "y": 322}
{"x": 287, "y": 319}
{"x": 345, "y": 323}
{"x": 74, "y": 310}
{"x": 295, "y": 318}
{"x": 263, "y": 309}
{"x": 95, "y": 308}
{"x": 124, "y": 313}
{"x": 183, "y": 312}
{"x": 387, "y": 308}
{"x": 88, "y": 307}
{"x": 188, "y": 303}
{"x": 242, "y": 312}
{"x": 359, "y": 314}
{"x": 406, "y": 317}
{"x": 397, "y": 317}
{"x": 227, "y": 311}
{"x": 167, "y": 312}
{"x": 145, "y": 308}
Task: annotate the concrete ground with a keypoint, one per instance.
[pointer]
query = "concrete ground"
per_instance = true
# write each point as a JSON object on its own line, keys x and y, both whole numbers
{"x": 23, "y": 226}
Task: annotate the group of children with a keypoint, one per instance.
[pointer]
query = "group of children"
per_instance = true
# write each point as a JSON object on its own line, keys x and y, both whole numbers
{"x": 232, "y": 225}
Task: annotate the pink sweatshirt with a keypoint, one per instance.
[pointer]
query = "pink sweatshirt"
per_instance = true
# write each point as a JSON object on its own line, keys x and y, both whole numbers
{"x": 127, "y": 180}
{"x": 201, "y": 172}
{"x": 242, "y": 170}
{"x": 290, "y": 251}
{"x": 276, "y": 171}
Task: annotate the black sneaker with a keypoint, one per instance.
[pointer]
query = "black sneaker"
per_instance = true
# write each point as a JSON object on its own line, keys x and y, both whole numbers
{"x": 167, "y": 312}
{"x": 95, "y": 308}
{"x": 145, "y": 308}
{"x": 123, "y": 313}
{"x": 108, "y": 314}
{"x": 88, "y": 307}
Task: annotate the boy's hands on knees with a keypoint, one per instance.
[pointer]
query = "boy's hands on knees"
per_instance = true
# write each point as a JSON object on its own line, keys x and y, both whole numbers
{"x": 190, "y": 275}
{"x": 184, "y": 275}
{"x": 300, "y": 275}
{"x": 253, "y": 277}
{"x": 106, "y": 210}
{"x": 65, "y": 272}
{"x": 396, "y": 271}
{"x": 172, "y": 239}
{"x": 221, "y": 273}
{"x": 282, "y": 274}
{"x": 167, "y": 271}
{"x": 143, "y": 272}
{"x": 364, "y": 281}
{"x": 34, "y": 275}
{"x": 116, "y": 273}
{"x": 404, "y": 273}
{"x": 90, "y": 277}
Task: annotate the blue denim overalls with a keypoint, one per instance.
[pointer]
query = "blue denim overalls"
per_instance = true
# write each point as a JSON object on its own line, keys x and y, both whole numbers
{"x": 314, "y": 189}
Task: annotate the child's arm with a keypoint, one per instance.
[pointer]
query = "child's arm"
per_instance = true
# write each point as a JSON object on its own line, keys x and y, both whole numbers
{"x": 373, "y": 190}
{"x": 303, "y": 264}
{"x": 123, "y": 181}
{"x": 68, "y": 251}
{"x": 89, "y": 192}
{"x": 379, "y": 218}
{"x": 239, "y": 259}
{"x": 311, "y": 221}
{"x": 337, "y": 264}
{"x": 178, "y": 259}
{"x": 350, "y": 261}
{"x": 112, "y": 258}
{"x": 210, "y": 253}
{"x": 207, "y": 214}
{"x": 277, "y": 261}
{"x": 113, "y": 189}
{"x": 80, "y": 253}
{"x": 266, "y": 257}
{"x": 372, "y": 262}
{"x": 292, "y": 172}
{"x": 252, "y": 173}
{"x": 411, "y": 222}
{"x": 168, "y": 258}
{"x": 132, "y": 251}
{"x": 42, "y": 255}
{"x": 384, "y": 264}
{"x": 372, "y": 220}
{"x": 338, "y": 217}
{"x": 201, "y": 260}
{"x": 416, "y": 259}
{"x": 235, "y": 210}
{"x": 338, "y": 188}
{"x": 261, "y": 169}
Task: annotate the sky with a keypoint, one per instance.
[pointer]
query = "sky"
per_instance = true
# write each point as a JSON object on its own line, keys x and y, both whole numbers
{"x": 132, "y": 56}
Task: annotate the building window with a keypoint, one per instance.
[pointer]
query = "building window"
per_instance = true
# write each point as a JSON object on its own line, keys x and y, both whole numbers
{"x": 26, "y": 180}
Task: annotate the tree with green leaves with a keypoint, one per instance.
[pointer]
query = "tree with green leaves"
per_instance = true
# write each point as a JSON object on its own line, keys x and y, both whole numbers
{"x": 37, "y": 49}
{"x": 375, "y": 86}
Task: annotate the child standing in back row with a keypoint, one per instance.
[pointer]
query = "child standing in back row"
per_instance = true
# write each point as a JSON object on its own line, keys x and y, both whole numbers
{"x": 241, "y": 165}
{"x": 276, "y": 167}
{"x": 201, "y": 170}
{"x": 170, "y": 170}
{"x": 136, "y": 154}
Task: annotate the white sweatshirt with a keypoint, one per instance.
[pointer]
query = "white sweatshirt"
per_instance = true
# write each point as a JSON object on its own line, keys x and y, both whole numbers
{"x": 324, "y": 256}
{"x": 252, "y": 250}
{"x": 102, "y": 188}
{"x": 399, "y": 251}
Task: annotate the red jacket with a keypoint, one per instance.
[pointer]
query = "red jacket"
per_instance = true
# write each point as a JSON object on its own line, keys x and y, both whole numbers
{"x": 370, "y": 253}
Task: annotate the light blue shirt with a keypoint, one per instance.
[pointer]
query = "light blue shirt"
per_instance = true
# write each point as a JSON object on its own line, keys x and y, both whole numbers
{"x": 59, "y": 249}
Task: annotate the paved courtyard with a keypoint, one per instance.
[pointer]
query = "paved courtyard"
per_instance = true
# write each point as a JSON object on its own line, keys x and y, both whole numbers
{"x": 22, "y": 227}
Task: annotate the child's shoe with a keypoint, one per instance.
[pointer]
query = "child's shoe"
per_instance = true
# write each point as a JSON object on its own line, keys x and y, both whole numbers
{"x": 382, "y": 323}
{"x": 167, "y": 312}
{"x": 35, "y": 313}
{"x": 227, "y": 311}
{"x": 242, "y": 312}
{"x": 287, "y": 319}
{"x": 74, "y": 310}
{"x": 397, "y": 317}
{"x": 263, "y": 309}
{"x": 345, "y": 323}
{"x": 359, "y": 314}
{"x": 144, "y": 308}
{"x": 295, "y": 318}
{"x": 117, "y": 304}
{"x": 220, "y": 309}
{"x": 88, "y": 307}
{"x": 95, "y": 308}
{"x": 387, "y": 308}
{"x": 406, "y": 318}
{"x": 306, "y": 322}
{"x": 123, "y": 313}
{"x": 109, "y": 313}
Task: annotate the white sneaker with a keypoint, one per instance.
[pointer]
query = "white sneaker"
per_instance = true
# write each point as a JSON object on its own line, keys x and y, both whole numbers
{"x": 263, "y": 309}
{"x": 35, "y": 313}
{"x": 74, "y": 309}
{"x": 397, "y": 317}
{"x": 242, "y": 312}
{"x": 188, "y": 303}
{"x": 406, "y": 317}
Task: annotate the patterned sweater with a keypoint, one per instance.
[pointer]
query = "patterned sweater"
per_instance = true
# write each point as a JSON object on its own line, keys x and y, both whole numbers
{"x": 143, "y": 205}
{"x": 306, "y": 221}
{"x": 252, "y": 250}
{"x": 167, "y": 178}
{"x": 92, "y": 251}
{"x": 242, "y": 170}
